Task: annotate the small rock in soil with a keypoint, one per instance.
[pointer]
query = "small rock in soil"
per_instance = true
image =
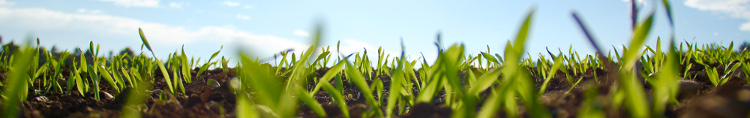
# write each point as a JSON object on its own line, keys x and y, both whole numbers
{"x": 107, "y": 95}
{"x": 157, "y": 91}
{"x": 213, "y": 83}
{"x": 234, "y": 83}
{"x": 743, "y": 94}
{"x": 689, "y": 88}
{"x": 37, "y": 91}
{"x": 212, "y": 105}
{"x": 41, "y": 99}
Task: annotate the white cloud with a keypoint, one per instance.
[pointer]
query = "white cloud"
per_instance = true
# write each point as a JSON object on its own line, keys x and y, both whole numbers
{"x": 302, "y": 33}
{"x": 248, "y": 6}
{"x": 716, "y": 33}
{"x": 242, "y": 17}
{"x": 6, "y": 3}
{"x": 352, "y": 45}
{"x": 135, "y": 3}
{"x": 176, "y": 5}
{"x": 734, "y": 8}
{"x": 231, "y": 3}
{"x": 87, "y": 11}
{"x": 237, "y": 4}
{"x": 158, "y": 34}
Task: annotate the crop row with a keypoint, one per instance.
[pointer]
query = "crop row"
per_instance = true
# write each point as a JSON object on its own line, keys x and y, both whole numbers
{"x": 265, "y": 90}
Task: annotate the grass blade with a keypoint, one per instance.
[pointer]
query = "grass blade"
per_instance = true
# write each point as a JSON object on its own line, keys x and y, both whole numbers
{"x": 335, "y": 70}
{"x": 552, "y": 73}
{"x": 311, "y": 103}
{"x": 208, "y": 63}
{"x": 628, "y": 80}
{"x": 16, "y": 82}
{"x": 185, "y": 66}
{"x": 667, "y": 85}
{"x": 337, "y": 97}
{"x": 361, "y": 83}
{"x": 108, "y": 78}
{"x": 161, "y": 65}
{"x": 143, "y": 38}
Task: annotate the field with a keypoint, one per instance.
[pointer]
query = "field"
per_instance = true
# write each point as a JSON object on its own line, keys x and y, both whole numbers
{"x": 685, "y": 80}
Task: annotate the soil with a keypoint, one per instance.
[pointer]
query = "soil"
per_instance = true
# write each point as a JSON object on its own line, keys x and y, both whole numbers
{"x": 697, "y": 98}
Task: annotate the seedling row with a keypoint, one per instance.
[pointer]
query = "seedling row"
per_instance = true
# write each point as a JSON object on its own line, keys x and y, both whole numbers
{"x": 633, "y": 80}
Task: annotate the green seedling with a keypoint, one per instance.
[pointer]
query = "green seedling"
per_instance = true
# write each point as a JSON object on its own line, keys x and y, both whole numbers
{"x": 158, "y": 62}
{"x": 516, "y": 82}
{"x": 628, "y": 79}
{"x": 185, "y": 67}
{"x": 208, "y": 63}
{"x": 311, "y": 103}
{"x": 551, "y": 74}
{"x": 397, "y": 81}
{"x": 667, "y": 84}
{"x": 336, "y": 97}
{"x": 16, "y": 89}
{"x": 333, "y": 71}
{"x": 359, "y": 80}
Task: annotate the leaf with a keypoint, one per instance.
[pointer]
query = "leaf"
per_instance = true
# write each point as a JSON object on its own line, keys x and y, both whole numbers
{"x": 83, "y": 61}
{"x": 667, "y": 85}
{"x": 117, "y": 77}
{"x": 321, "y": 56}
{"x": 108, "y": 78}
{"x": 185, "y": 66}
{"x": 515, "y": 80}
{"x": 246, "y": 107}
{"x": 490, "y": 58}
{"x": 16, "y": 82}
{"x": 127, "y": 77}
{"x": 161, "y": 65}
{"x": 434, "y": 79}
{"x": 451, "y": 57}
{"x": 311, "y": 103}
{"x": 396, "y": 84}
{"x": 337, "y": 97}
{"x": 136, "y": 98}
{"x": 377, "y": 85}
{"x": 92, "y": 50}
{"x": 333, "y": 71}
{"x": 268, "y": 90}
{"x": 485, "y": 81}
{"x": 668, "y": 10}
{"x": 552, "y": 73}
{"x": 713, "y": 76}
{"x": 79, "y": 82}
{"x": 143, "y": 38}
{"x": 178, "y": 81}
{"x": 359, "y": 81}
{"x": 639, "y": 36}
{"x": 95, "y": 79}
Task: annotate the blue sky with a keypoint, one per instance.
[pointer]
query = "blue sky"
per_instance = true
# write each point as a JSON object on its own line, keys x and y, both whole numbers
{"x": 268, "y": 27}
